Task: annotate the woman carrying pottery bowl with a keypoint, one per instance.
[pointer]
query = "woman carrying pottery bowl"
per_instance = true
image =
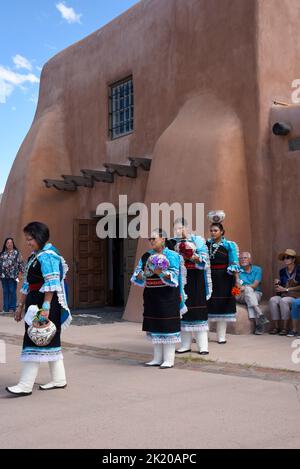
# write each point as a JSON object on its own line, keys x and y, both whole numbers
{"x": 43, "y": 287}
{"x": 159, "y": 272}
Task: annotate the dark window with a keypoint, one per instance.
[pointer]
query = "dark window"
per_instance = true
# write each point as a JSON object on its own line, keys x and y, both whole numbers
{"x": 121, "y": 108}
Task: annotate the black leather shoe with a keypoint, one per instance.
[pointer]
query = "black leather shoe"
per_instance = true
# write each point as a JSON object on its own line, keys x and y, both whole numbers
{"x": 185, "y": 351}
{"x": 203, "y": 353}
{"x": 223, "y": 342}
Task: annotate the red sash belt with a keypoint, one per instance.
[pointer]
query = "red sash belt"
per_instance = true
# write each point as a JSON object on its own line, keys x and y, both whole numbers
{"x": 35, "y": 286}
{"x": 154, "y": 282}
{"x": 219, "y": 266}
{"x": 190, "y": 265}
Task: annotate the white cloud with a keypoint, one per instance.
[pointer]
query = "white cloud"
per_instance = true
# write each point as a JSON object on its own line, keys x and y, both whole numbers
{"x": 39, "y": 68}
{"x": 5, "y": 91}
{"x": 14, "y": 108}
{"x": 16, "y": 78}
{"x": 22, "y": 62}
{"x": 68, "y": 13}
{"x": 9, "y": 80}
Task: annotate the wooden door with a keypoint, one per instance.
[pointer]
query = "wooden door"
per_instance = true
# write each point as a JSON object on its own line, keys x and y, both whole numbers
{"x": 90, "y": 270}
{"x": 129, "y": 252}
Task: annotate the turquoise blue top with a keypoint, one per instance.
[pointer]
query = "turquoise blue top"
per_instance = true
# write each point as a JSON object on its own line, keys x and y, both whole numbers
{"x": 54, "y": 269}
{"x": 248, "y": 278}
{"x": 233, "y": 254}
{"x": 204, "y": 262}
{"x": 176, "y": 271}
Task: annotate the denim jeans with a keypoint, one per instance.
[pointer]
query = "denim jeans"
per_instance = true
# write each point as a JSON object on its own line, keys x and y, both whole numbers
{"x": 9, "y": 286}
{"x": 295, "y": 309}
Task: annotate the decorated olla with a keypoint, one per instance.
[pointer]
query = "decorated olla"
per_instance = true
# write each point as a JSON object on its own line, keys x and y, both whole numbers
{"x": 186, "y": 249}
{"x": 216, "y": 216}
{"x": 42, "y": 335}
{"x": 155, "y": 262}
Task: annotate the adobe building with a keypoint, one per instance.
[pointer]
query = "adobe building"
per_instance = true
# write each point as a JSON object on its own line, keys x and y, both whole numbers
{"x": 175, "y": 100}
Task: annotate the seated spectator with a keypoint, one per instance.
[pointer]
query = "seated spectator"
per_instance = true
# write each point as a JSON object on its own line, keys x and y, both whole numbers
{"x": 250, "y": 280}
{"x": 287, "y": 289}
{"x": 295, "y": 318}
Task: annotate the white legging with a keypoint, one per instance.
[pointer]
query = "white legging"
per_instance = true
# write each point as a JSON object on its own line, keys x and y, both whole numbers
{"x": 221, "y": 331}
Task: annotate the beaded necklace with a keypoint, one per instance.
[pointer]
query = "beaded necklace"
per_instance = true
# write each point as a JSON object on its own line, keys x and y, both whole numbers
{"x": 213, "y": 252}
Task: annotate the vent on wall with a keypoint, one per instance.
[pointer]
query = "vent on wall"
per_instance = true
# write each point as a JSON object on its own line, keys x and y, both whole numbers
{"x": 294, "y": 144}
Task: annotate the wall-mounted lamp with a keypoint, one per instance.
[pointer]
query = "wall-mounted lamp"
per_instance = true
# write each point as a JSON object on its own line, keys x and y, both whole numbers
{"x": 281, "y": 128}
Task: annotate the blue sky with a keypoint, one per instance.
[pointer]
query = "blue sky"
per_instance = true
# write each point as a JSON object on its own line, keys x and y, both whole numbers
{"x": 31, "y": 32}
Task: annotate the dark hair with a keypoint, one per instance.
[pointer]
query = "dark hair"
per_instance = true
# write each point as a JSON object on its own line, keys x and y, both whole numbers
{"x": 181, "y": 221}
{"x": 4, "y": 245}
{"x": 220, "y": 226}
{"x": 161, "y": 233}
{"x": 39, "y": 232}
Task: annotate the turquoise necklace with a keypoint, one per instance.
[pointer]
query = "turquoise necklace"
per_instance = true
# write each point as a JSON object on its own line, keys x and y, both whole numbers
{"x": 216, "y": 246}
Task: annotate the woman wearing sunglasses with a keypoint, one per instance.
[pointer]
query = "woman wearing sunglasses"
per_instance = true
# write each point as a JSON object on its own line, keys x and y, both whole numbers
{"x": 160, "y": 272}
{"x": 287, "y": 289}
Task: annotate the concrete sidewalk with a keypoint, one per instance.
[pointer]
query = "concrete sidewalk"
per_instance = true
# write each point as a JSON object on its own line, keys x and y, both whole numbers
{"x": 248, "y": 350}
{"x": 120, "y": 404}
{"x": 112, "y": 401}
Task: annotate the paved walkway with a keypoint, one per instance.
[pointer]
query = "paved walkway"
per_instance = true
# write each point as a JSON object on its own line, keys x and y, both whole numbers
{"x": 247, "y": 350}
{"x": 245, "y": 395}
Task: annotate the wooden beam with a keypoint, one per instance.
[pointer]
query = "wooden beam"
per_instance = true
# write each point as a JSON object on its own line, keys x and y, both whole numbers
{"x": 98, "y": 176}
{"x": 121, "y": 170}
{"x": 141, "y": 162}
{"x": 79, "y": 181}
{"x": 60, "y": 185}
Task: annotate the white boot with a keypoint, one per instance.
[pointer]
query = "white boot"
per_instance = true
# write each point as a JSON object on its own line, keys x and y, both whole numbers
{"x": 202, "y": 342}
{"x": 27, "y": 379}
{"x": 221, "y": 332}
{"x": 157, "y": 356}
{"x": 186, "y": 342}
{"x": 169, "y": 356}
{"x": 58, "y": 375}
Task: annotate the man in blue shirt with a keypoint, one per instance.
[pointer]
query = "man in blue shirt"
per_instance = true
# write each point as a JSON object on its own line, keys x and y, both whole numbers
{"x": 250, "y": 280}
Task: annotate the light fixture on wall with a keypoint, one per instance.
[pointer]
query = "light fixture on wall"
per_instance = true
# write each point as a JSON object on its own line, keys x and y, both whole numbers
{"x": 282, "y": 128}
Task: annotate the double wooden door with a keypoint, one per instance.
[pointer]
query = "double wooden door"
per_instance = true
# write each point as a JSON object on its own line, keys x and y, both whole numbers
{"x": 90, "y": 269}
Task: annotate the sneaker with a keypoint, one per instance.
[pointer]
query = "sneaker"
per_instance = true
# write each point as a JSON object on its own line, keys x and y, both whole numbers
{"x": 259, "y": 330}
{"x": 274, "y": 331}
{"x": 292, "y": 334}
{"x": 263, "y": 320}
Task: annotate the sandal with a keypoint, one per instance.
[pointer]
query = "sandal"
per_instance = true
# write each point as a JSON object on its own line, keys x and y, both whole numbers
{"x": 283, "y": 332}
{"x": 274, "y": 331}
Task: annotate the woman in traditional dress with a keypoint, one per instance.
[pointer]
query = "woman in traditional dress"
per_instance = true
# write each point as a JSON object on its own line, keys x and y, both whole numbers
{"x": 43, "y": 286}
{"x": 198, "y": 287}
{"x": 160, "y": 272}
{"x": 225, "y": 268}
